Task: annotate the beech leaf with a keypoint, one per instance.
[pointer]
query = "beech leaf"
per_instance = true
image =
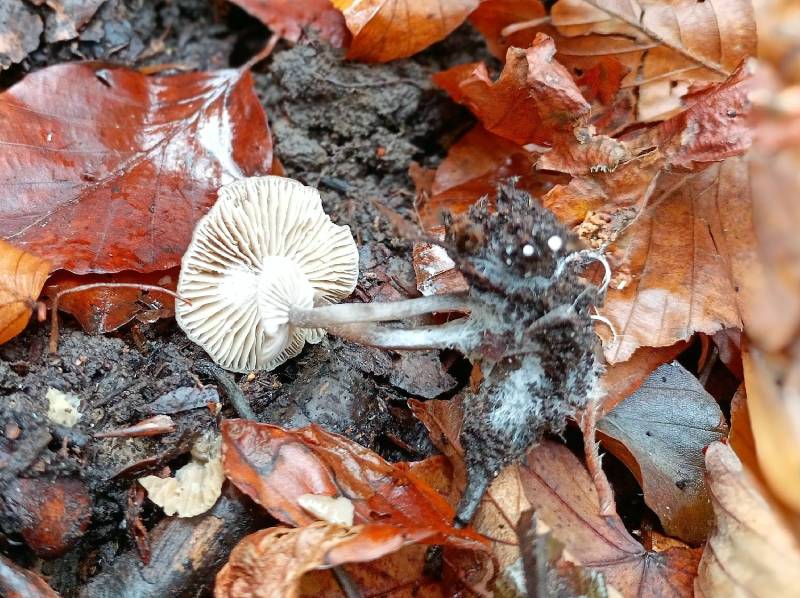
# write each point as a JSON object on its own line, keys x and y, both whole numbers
{"x": 660, "y": 432}
{"x": 21, "y": 278}
{"x": 288, "y": 18}
{"x": 384, "y": 30}
{"x": 752, "y": 551}
{"x": 115, "y": 174}
{"x": 565, "y": 499}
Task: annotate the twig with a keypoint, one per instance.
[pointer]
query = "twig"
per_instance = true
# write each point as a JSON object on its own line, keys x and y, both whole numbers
{"x": 229, "y": 387}
{"x": 346, "y": 583}
{"x": 605, "y": 494}
{"x": 263, "y": 53}
{"x": 97, "y": 285}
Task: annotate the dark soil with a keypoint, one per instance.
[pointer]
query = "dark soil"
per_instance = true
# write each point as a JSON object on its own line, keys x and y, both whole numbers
{"x": 350, "y": 130}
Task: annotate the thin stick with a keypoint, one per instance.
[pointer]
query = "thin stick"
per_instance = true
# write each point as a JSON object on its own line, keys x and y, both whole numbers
{"x": 229, "y": 387}
{"x": 96, "y": 285}
{"x": 351, "y": 313}
{"x": 263, "y": 53}
{"x": 588, "y": 423}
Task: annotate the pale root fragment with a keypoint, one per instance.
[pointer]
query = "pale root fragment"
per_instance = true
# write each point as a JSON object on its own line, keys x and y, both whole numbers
{"x": 338, "y": 510}
{"x": 195, "y": 487}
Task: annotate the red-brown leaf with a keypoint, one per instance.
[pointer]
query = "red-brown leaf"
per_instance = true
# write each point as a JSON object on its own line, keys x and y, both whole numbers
{"x": 114, "y": 175}
{"x": 387, "y": 29}
{"x": 533, "y": 98}
{"x": 288, "y": 18}
{"x": 493, "y": 17}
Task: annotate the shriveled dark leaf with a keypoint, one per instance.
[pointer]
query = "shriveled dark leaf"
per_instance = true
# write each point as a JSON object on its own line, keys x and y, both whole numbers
{"x": 660, "y": 433}
{"x": 115, "y": 174}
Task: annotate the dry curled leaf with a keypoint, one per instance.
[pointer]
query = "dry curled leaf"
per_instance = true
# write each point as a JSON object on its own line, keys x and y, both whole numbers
{"x": 560, "y": 490}
{"x": 507, "y": 23}
{"x": 288, "y": 18}
{"x": 752, "y": 551}
{"x": 660, "y": 432}
{"x": 664, "y": 44}
{"x": 21, "y": 278}
{"x": 533, "y": 99}
{"x": 387, "y": 29}
{"x": 115, "y": 174}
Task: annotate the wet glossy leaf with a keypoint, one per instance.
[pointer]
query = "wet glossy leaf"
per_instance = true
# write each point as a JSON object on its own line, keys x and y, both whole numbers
{"x": 275, "y": 466}
{"x": 752, "y": 552}
{"x": 387, "y": 29}
{"x": 288, "y": 18}
{"x": 21, "y": 278}
{"x": 660, "y": 432}
{"x": 561, "y": 491}
{"x": 115, "y": 174}
{"x": 663, "y": 44}
{"x": 533, "y": 99}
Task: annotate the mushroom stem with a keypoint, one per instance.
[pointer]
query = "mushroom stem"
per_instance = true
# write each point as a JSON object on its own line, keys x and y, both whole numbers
{"x": 354, "y": 313}
{"x": 454, "y": 335}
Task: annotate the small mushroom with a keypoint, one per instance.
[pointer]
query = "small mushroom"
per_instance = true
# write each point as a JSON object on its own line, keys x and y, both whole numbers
{"x": 265, "y": 248}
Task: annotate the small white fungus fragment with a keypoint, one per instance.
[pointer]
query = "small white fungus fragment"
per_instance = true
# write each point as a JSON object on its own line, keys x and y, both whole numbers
{"x": 63, "y": 407}
{"x": 337, "y": 510}
{"x": 555, "y": 243}
{"x": 195, "y": 487}
{"x": 527, "y": 251}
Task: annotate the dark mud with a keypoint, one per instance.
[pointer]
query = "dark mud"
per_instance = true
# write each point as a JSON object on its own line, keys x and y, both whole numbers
{"x": 349, "y": 129}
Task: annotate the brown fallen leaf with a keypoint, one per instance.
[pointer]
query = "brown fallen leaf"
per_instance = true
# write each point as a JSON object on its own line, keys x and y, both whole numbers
{"x": 507, "y": 23}
{"x": 751, "y": 552}
{"x": 21, "y": 278}
{"x": 434, "y": 271}
{"x": 560, "y": 490}
{"x": 20, "y": 29}
{"x": 16, "y": 582}
{"x": 778, "y": 44}
{"x": 275, "y": 467}
{"x": 772, "y": 382}
{"x": 660, "y": 432}
{"x": 620, "y": 380}
{"x": 384, "y": 30}
{"x": 533, "y": 99}
{"x": 105, "y": 309}
{"x": 115, "y": 174}
{"x": 272, "y": 562}
{"x": 288, "y": 18}
{"x": 664, "y": 45}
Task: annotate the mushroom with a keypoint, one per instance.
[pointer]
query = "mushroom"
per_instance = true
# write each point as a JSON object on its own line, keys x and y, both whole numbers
{"x": 264, "y": 248}
{"x": 263, "y": 270}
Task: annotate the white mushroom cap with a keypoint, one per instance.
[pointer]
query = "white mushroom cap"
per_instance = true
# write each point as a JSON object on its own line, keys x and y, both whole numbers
{"x": 264, "y": 247}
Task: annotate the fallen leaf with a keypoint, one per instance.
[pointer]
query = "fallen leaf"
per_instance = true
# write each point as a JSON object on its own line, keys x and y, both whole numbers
{"x": 772, "y": 382}
{"x": 778, "y": 44}
{"x": 288, "y": 18}
{"x": 384, "y": 30}
{"x": 664, "y": 45}
{"x": 20, "y": 29}
{"x": 660, "y": 432}
{"x": 741, "y": 438}
{"x": 517, "y": 18}
{"x": 562, "y": 493}
{"x": 434, "y": 271}
{"x": 105, "y": 309}
{"x": 275, "y": 467}
{"x": 65, "y": 18}
{"x": 51, "y": 515}
{"x": 21, "y": 278}
{"x": 273, "y": 561}
{"x": 752, "y": 552}
{"x": 115, "y": 174}
{"x": 16, "y": 582}
{"x": 620, "y": 380}
{"x": 533, "y": 98}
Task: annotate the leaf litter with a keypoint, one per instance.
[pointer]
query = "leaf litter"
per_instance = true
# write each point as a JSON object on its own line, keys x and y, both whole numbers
{"x": 639, "y": 125}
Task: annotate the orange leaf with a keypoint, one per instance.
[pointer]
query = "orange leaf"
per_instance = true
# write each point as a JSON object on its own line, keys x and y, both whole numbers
{"x": 275, "y": 466}
{"x": 21, "y": 278}
{"x": 493, "y": 17}
{"x": 533, "y": 98}
{"x": 288, "y": 18}
{"x": 115, "y": 174}
{"x": 561, "y": 491}
{"x": 387, "y": 29}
